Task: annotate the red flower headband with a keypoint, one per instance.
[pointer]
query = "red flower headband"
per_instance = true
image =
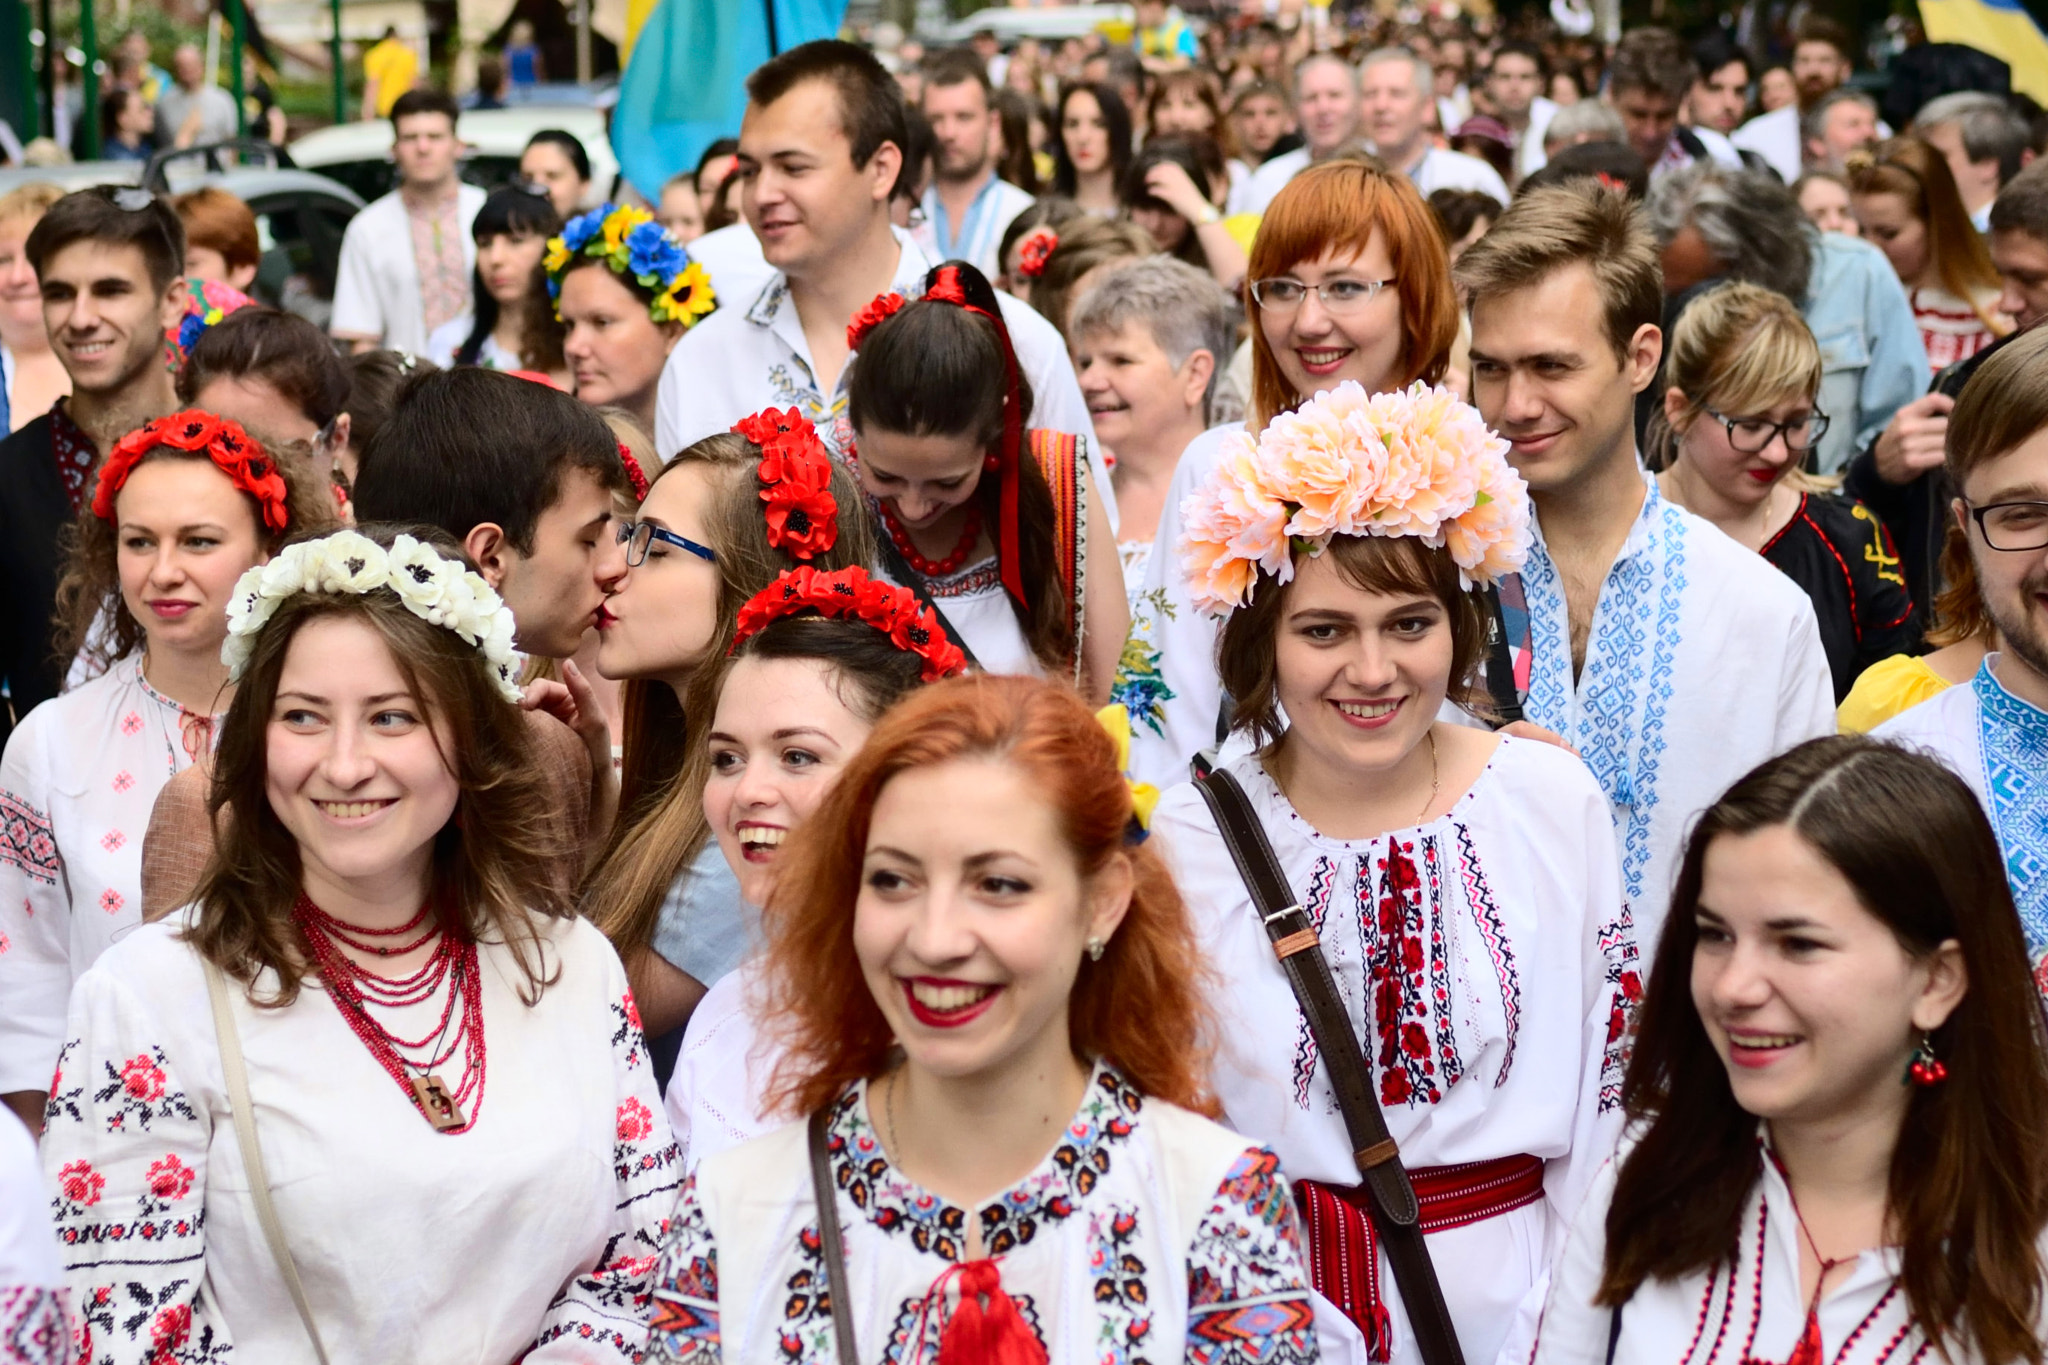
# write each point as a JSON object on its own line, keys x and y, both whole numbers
{"x": 884, "y": 307}
{"x": 1035, "y": 250}
{"x": 233, "y": 451}
{"x": 852, "y": 595}
{"x": 635, "y": 475}
{"x": 796, "y": 482}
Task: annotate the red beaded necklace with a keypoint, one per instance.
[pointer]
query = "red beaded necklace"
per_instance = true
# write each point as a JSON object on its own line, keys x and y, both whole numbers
{"x": 356, "y": 988}
{"x": 934, "y": 568}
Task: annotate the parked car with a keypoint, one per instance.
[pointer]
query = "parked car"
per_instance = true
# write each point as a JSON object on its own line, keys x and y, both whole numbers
{"x": 359, "y": 154}
{"x": 300, "y": 215}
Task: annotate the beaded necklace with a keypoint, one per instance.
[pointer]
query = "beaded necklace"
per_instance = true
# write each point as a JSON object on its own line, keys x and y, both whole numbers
{"x": 929, "y": 568}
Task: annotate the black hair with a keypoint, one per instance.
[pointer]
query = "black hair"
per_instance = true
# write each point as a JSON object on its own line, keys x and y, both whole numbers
{"x": 469, "y": 446}
{"x": 870, "y": 105}
{"x": 1195, "y": 153}
{"x": 1715, "y": 49}
{"x": 284, "y": 350}
{"x": 725, "y": 146}
{"x": 1458, "y": 211}
{"x": 865, "y": 668}
{"x": 571, "y": 146}
{"x": 1018, "y": 165}
{"x": 1116, "y": 116}
{"x": 374, "y": 379}
{"x": 517, "y": 211}
{"x": 917, "y": 149}
{"x": 100, "y": 214}
{"x": 112, "y": 105}
{"x": 424, "y": 100}
{"x": 1518, "y": 48}
{"x": 958, "y": 66}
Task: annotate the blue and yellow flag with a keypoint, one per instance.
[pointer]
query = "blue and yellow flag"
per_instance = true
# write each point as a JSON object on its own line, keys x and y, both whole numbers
{"x": 2000, "y": 27}
{"x": 685, "y": 80}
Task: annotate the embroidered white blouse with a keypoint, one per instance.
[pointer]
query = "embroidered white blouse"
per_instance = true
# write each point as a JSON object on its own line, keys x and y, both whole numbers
{"x": 1488, "y": 966}
{"x": 534, "y": 1230}
{"x": 79, "y": 777}
{"x": 1147, "y": 1233}
{"x": 33, "y": 1328}
{"x": 1749, "y": 1308}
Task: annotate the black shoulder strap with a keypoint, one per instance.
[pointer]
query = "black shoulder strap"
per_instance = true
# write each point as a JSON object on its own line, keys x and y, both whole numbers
{"x": 830, "y": 1244}
{"x": 1500, "y": 661}
{"x": 1395, "y": 1213}
{"x": 899, "y": 569}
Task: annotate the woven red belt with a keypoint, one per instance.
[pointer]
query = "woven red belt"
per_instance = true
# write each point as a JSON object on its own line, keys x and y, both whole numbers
{"x": 1344, "y": 1251}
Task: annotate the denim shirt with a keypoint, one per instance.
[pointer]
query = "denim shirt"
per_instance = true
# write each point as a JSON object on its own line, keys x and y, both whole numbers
{"x": 1872, "y": 360}
{"x": 706, "y": 926}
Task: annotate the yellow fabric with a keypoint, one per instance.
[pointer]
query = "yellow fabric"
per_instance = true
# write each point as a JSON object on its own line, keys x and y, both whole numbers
{"x": 1886, "y": 688}
{"x": 1999, "y": 27}
{"x": 1116, "y": 719}
{"x": 1242, "y": 227}
{"x": 394, "y": 66}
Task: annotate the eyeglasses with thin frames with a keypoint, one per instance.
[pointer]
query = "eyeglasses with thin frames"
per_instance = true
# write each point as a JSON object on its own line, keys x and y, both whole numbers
{"x": 639, "y": 536}
{"x": 1284, "y": 294}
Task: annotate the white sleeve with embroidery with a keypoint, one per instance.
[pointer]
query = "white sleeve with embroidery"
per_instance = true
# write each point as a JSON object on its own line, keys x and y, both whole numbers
{"x": 1248, "y": 1300}
{"x": 1613, "y": 988}
{"x": 684, "y": 1330}
{"x": 125, "y": 1151}
{"x": 35, "y": 917}
{"x": 604, "y": 1308}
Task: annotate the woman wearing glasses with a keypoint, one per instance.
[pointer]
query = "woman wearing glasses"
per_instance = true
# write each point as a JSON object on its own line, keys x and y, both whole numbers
{"x": 1738, "y": 420}
{"x": 1349, "y": 281}
{"x": 718, "y": 524}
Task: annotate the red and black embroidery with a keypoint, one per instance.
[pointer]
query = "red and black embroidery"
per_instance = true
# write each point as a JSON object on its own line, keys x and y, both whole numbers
{"x": 1399, "y": 963}
{"x": 27, "y": 841}
{"x": 138, "y": 1093}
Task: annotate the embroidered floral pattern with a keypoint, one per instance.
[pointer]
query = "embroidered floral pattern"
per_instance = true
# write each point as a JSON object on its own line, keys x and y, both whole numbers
{"x": 684, "y": 1326}
{"x": 32, "y": 1326}
{"x": 1140, "y": 685}
{"x": 2014, "y": 741}
{"x": 1244, "y": 1305}
{"x": 1400, "y": 1012}
{"x": 1625, "y": 994}
{"x": 26, "y": 840}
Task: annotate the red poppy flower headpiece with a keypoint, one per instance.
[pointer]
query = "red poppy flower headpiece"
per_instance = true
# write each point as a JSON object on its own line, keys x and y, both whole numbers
{"x": 635, "y": 475}
{"x": 879, "y": 310}
{"x": 1035, "y": 250}
{"x": 853, "y": 595}
{"x": 233, "y": 451}
{"x": 796, "y": 481}
{"x": 947, "y": 284}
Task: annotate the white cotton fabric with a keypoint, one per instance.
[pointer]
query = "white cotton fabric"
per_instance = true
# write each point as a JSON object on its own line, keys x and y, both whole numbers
{"x": 377, "y": 282}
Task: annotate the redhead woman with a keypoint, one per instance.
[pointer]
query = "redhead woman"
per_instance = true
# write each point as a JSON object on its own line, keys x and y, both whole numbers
{"x": 185, "y": 505}
{"x": 1455, "y": 892}
{"x": 621, "y": 321}
{"x": 717, "y": 526}
{"x": 998, "y": 524}
{"x": 1837, "y": 1093}
{"x": 377, "y": 1089}
{"x": 1349, "y": 281}
{"x": 994, "y": 1022}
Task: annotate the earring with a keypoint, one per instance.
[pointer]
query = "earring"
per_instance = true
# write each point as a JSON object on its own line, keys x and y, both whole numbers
{"x": 1925, "y": 1070}
{"x": 991, "y": 462}
{"x": 1095, "y": 947}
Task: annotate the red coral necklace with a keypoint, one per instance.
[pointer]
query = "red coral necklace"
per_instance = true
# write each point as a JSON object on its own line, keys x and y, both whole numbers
{"x": 355, "y": 988}
{"x": 928, "y": 568}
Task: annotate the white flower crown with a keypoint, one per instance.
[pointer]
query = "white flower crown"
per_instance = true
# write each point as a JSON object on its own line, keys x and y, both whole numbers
{"x": 435, "y": 589}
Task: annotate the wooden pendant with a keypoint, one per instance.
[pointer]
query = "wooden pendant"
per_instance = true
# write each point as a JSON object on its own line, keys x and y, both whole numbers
{"x": 435, "y": 1100}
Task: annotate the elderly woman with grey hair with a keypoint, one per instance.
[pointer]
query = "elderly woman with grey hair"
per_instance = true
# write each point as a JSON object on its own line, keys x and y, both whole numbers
{"x": 1150, "y": 338}
{"x": 1713, "y": 223}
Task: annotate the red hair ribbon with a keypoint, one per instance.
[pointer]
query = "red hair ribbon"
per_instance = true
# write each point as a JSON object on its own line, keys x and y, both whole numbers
{"x": 635, "y": 475}
{"x": 946, "y": 288}
{"x": 879, "y": 310}
{"x": 796, "y": 481}
{"x": 233, "y": 451}
{"x": 852, "y": 595}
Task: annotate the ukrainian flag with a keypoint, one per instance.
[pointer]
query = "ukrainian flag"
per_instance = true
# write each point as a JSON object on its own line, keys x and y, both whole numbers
{"x": 1999, "y": 27}
{"x": 685, "y": 81}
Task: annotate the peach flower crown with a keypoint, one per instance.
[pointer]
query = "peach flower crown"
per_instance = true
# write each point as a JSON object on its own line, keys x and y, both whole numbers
{"x": 1414, "y": 462}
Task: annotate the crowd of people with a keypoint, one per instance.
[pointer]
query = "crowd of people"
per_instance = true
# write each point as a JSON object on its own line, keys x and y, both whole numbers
{"x": 1261, "y": 692}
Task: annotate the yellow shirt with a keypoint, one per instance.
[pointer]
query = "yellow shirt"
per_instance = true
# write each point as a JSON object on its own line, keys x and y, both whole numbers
{"x": 1886, "y": 688}
{"x": 394, "y": 66}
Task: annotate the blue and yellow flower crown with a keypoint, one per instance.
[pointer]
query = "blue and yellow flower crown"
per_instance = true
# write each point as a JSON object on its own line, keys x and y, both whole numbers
{"x": 635, "y": 246}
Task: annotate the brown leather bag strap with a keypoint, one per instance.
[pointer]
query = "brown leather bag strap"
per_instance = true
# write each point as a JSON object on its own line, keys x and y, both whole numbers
{"x": 1393, "y": 1205}
{"x": 830, "y": 1245}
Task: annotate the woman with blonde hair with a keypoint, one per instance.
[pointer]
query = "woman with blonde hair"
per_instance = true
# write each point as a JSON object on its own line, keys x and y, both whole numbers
{"x": 992, "y": 1014}
{"x": 1908, "y": 205}
{"x": 31, "y": 376}
{"x": 1739, "y": 417}
{"x": 1349, "y": 281}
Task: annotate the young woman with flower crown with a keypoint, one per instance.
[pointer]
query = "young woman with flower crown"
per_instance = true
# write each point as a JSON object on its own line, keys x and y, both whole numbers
{"x": 716, "y": 527}
{"x": 378, "y": 1093}
{"x": 184, "y": 505}
{"x": 991, "y": 1009}
{"x": 1462, "y": 886}
{"x": 997, "y": 524}
{"x": 622, "y": 321}
{"x": 1349, "y": 283}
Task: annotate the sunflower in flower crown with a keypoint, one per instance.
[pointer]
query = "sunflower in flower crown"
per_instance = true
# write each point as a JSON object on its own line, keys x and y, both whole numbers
{"x": 635, "y": 247}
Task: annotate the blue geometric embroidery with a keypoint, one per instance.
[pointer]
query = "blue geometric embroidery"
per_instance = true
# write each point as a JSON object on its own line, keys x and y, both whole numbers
{"x": 2014, "y": 740}
{"x": 1615, "y": 716}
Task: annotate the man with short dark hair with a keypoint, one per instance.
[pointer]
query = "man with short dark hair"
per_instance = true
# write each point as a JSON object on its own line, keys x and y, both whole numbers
{"x": 1839, "y": 125}
{"x": 407, "y": 259}
{"x": 1822, "y": 59}
{"x": 1514, "y": 82}
{"x": 1671, "y": 658}
{"x": 1649, "y": 79}
{"x": 1720, "y": 88}
{"x": 110, "y": 263}
{"x": 1326, "y": 110}
{"x": 821, "y": 154}
{"x": 1985, "y": 140}
{"x": 968, "y": 206}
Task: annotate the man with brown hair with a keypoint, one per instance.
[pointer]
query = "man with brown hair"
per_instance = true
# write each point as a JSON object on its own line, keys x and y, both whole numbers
{"x": 1648, "y": 80}
{"x": 1821, "y": 61}
{"x": 1994, "y": 731}
{"x": 1673, "y": 659}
